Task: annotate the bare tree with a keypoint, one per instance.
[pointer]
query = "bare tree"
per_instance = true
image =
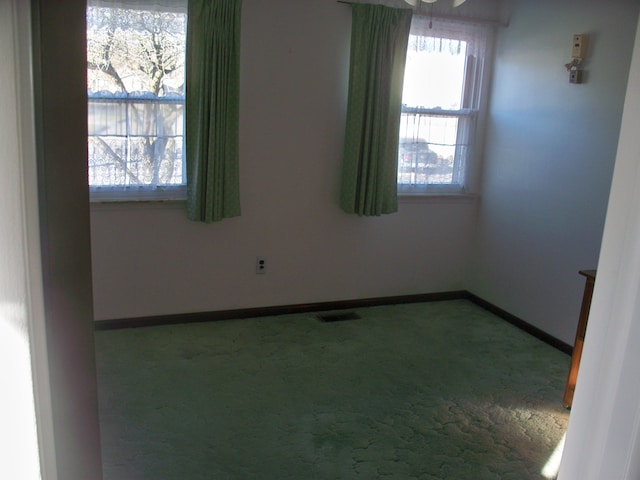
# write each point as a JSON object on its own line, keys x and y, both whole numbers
{"x": 138, "y": 50}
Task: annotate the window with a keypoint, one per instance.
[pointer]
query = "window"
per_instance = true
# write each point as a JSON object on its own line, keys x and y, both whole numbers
{"x": 135, "y": 75}
{"x": 440, "y": 102}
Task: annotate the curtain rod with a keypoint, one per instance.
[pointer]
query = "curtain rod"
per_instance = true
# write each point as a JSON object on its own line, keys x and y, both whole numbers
{"x": 442, "y": 16}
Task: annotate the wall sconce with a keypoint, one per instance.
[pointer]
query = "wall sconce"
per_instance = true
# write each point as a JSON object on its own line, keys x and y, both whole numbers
{"x": 578, "y": 52}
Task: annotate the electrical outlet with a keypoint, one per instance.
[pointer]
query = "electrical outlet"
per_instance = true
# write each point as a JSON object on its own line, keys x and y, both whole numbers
{"x": 261, "y": 265}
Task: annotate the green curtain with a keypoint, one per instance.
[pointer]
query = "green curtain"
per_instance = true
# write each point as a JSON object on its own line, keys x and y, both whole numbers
{"x": 212, "y": 105}
{"x": 379, "y": 40}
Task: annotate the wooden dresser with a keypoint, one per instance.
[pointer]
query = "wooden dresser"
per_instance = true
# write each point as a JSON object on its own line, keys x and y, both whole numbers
{"x": 580, "y": 333}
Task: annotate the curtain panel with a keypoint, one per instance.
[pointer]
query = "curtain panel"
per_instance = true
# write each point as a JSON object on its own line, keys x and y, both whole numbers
{"x": 212, "y": 109}
{"x": 379, "y": 41}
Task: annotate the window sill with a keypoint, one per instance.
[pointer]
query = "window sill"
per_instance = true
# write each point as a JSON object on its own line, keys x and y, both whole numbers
{"x": 410, "y": 198}
{"x": 137, "y": 195}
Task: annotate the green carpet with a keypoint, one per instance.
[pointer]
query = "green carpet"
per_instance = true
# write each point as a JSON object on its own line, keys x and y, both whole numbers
{"x": 441, "y": 390}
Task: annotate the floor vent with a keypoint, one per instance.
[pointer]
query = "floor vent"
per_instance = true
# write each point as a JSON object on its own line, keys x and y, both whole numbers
{"x": 338, "y": 316}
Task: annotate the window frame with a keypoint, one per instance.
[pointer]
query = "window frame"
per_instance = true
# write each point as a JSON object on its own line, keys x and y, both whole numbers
{"x": 473, "y": 105}
{"x": 140, "y": 192}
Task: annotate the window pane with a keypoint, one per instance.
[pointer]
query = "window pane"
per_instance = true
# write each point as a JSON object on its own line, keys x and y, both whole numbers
{"x": 429, "y": 151}
{"x": 135, "y": 79}
{"x": 136, "y": 143}
{"x": 434, "y": 73}
{"x": 135, "y": 51}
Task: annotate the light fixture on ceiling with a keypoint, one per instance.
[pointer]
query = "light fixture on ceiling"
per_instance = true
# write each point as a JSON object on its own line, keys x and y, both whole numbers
{"x": 414, "y": 3}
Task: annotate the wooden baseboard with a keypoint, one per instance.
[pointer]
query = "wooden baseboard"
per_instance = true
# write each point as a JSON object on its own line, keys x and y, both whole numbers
{"x": 275, "y": 310}
{"x": 521, "y": 324}
{"x": 153, "y": 321}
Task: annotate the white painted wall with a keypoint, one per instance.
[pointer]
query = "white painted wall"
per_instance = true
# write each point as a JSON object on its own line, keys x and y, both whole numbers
{"x": 604, "y": 429}
{"x": 26, "y": 435}
{"x": 549, "y": 158}
{"x": 19, "y": 452}
{"x": 149, "y": 260}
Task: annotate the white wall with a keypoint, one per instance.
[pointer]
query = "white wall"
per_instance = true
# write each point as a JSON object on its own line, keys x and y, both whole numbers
{"x": 20, "y": 299}
{"x": 604, "y": 428}
{"x": 149, "y": 260}
{"x": 549, "y": 158}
